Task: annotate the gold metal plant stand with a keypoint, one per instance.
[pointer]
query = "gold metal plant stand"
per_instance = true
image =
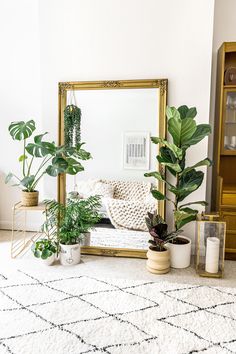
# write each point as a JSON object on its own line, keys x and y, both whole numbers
{"x": 20, "y": 243}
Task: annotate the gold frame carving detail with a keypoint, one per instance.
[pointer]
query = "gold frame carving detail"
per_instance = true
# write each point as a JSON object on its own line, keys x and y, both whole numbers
{"x": 63, "y": 87}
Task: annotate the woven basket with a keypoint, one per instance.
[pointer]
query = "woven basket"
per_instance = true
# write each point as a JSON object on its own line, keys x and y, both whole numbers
{"x": 29, "y": 199}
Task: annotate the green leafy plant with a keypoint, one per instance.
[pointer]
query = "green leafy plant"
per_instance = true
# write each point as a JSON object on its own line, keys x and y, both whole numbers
{"x": 184, "y": 132}
{"x": 71, "y": 220}
{"x": 158, "y": 229}
{"x": 53, "y": 159}
{"x": 72, "y": 119}
{"x": 44, "y": 248}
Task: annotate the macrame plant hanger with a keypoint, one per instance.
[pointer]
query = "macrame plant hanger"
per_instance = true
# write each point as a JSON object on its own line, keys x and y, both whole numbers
{"x": 72, "y": 123}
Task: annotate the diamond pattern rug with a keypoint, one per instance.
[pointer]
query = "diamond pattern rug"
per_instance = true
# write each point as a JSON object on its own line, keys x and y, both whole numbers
{"x": 79, "y": 314}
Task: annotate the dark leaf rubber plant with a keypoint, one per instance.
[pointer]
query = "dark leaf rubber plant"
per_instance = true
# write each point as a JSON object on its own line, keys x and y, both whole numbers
{"x": 72, "y": 220}
{"x": 158, "y": 229}
{"x": 53, "y": 159}
{"x": 184, "y": 132}
{"x": 44, "y": 248}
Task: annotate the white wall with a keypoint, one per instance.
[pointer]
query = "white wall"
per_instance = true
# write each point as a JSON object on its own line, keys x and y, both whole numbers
{"x": 130, "y": 39}
{"x": 19, "y": 87}
{"x": 224, "y": 31}
{"x": 127, "y": 39}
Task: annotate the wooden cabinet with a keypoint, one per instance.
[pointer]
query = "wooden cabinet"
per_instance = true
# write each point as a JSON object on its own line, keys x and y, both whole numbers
{"x": 224, "y": 168}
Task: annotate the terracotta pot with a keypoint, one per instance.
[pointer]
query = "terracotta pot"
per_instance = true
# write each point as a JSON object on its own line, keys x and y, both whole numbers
{"x": 29, "y": 199}
{"x": 180, "y": 254}
{"x": 158, "y": 262}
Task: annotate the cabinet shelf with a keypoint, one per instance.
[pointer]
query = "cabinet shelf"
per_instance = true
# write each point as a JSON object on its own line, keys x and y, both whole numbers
{"x": 224, "y": 188}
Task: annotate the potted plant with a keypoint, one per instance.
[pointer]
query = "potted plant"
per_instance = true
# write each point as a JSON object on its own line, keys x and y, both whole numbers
{"x": 52, "y": 160}
{"x": 158, "y": 256}
{"x": 45, "y": 249}
{"x": 172, "y": 155}
{"x": 71, "y": 222}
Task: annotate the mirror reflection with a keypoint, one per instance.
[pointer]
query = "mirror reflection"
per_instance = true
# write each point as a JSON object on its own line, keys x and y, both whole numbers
{"x": 116, "y": 126}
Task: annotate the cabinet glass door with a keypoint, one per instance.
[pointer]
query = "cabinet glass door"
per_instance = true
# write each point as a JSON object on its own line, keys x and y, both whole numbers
{"x": 229, "y": 129}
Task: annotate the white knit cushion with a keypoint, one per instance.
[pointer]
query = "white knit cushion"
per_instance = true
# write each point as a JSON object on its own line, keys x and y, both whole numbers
{"x": 104, "y": 190}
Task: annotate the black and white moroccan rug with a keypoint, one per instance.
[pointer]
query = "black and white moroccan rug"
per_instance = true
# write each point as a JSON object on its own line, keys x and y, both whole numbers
{"x": 77, "y": 314}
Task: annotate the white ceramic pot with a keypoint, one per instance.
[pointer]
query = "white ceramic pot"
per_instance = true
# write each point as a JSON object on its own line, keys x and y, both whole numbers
{"x": 48, "y": 261}
{"x": 180, "y": 254}
{"x": 69, "y": 254}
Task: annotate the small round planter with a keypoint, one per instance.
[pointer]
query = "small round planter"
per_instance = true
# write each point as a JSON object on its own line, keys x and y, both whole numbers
{"x": 48, "y": 261}
{"x": 69, "y": 254}
{"x": 29, "y": 199}
{"x": 158, "y": 262}
{"x": 180, "y": 254}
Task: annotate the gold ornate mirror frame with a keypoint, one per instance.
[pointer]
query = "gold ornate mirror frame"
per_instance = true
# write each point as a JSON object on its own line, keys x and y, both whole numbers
{"x": 63, "y": 88}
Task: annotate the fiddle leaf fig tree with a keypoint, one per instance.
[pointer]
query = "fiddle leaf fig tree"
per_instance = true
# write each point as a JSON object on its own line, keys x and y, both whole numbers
{"x": 185, "y": 132}
{"x": 52, "y": 159}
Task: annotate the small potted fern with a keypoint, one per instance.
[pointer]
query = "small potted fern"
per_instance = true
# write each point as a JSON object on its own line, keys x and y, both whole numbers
{"x": 185, "y": 132}
{"x": 71, "y": 221}
{"x": 158, "y": 254}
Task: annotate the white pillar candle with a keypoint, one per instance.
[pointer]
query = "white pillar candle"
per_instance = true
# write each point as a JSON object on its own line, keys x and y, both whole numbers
{"x": 212, "y": 255}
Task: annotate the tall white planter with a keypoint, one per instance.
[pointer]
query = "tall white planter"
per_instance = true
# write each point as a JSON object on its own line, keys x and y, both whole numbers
{"x": 180, "y": 255}
{"x": 69, "y": 254}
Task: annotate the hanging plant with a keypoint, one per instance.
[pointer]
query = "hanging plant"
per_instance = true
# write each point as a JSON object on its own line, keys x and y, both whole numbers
{"x": 72, "y": 119}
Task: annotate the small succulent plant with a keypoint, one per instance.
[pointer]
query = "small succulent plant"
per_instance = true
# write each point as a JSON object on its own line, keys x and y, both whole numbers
{"x": 158, "y": 229}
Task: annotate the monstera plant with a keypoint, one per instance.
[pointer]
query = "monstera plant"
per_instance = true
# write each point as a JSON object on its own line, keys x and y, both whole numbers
{"x": 52, "y": 160}
{"x": 184, "y": 132}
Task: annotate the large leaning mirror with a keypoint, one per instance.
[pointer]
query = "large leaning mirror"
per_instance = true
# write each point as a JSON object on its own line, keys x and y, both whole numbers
{"x": 117, "y": 120}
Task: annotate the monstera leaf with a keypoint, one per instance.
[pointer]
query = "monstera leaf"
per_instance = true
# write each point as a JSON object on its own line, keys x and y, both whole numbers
{"x": 40, "y": 148}
{"x": 74, "y": 166}
{"x": 21, "y": 130}
{"x": 27, "y": 182}
{"x": 59, "y": 165}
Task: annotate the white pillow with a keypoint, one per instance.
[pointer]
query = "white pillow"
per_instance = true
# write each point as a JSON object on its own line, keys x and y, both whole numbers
{"x": 105, "y": 190}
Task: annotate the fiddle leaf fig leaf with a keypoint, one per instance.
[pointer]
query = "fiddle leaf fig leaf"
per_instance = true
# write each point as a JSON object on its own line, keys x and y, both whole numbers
{"x": 206, "y": 162}
{"x": 188, "y": 183}
{"x": 202, "y": 130}
{"x": 175, "y": 149}
{"x": 200, "y": 202}
{"x": 21, "y": 130}
{"x": 158, "y": 195}
{"x": 172, "y": 112}
{"x": 182, "y": 218}
{"x": 156, "y": 175}
{"x": 192, "y": 112}
{"x": 183, "y": 111}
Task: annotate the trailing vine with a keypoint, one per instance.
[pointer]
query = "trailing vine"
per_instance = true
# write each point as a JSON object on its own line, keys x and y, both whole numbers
{"x": 72, "y": 119}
